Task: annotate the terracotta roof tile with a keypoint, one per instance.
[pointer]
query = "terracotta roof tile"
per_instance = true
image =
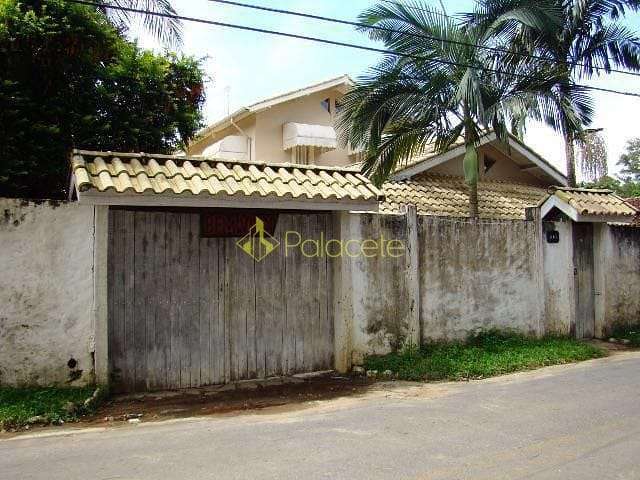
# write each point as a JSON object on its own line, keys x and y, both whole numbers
{"x": 594, "y": 202}
{"x": 448, "y": 196}
{"x": 159, "y": 174}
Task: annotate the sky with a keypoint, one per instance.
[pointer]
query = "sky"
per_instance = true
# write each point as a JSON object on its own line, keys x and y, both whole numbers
{"x": 245, "y": 67}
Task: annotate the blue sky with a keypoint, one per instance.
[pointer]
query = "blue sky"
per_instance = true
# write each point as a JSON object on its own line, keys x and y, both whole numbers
{"x": 252, "y": 66}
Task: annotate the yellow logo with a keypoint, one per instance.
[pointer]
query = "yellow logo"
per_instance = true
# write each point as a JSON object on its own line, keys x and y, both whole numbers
{"x": 258, "y": 243}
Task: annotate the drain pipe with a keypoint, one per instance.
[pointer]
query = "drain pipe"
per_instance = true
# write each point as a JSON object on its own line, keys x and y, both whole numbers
{"x": 242, "y": 132}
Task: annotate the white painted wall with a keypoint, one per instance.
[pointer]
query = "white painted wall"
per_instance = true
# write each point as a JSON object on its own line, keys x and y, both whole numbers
{"x": 46, "y": 292}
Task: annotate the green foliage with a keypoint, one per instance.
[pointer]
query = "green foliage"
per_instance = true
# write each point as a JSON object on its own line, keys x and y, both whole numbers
{"x": 586, "y": 39}
{"x": 440, "y": 86}
{"x": 19, "y": 405}
{"x": 622, "y": 188}
{"x": 166, "y": 29}
{"x": 69, "y": 80}
{"x": 628, "y": 332}
{"x": 486, "y": 354}
{"x": 630, "y": 162}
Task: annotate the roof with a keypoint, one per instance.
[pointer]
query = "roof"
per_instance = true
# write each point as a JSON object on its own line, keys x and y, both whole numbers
{"x": 128, "y": 178}
{"x": 588, "y": 205}
{"x": 536, "y": 163}
{"x": 448, "y": 196}
{"x": 635, "y": 203}
{"x": 270, "y": 102}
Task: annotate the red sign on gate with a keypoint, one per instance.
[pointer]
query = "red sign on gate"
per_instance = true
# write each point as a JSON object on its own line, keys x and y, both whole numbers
{"x": 234, "y": 223}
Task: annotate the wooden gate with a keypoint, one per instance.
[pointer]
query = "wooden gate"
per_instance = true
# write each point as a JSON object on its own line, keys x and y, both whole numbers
{"x": 584, "y": 279}
{"x": 186, "y": 311}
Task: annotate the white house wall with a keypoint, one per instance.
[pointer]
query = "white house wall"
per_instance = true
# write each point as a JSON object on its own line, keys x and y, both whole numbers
{"x": 308, "y": 110}
{"x": 46, "y": 293}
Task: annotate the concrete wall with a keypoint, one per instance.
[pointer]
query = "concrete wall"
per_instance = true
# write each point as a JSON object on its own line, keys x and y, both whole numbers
{"x": 382, "y": 289}
{"x": 617, "y": 275}
{"x": 479, "y": 275}
{"x": 46, "y": 293}
{"x": 457, "y": 277}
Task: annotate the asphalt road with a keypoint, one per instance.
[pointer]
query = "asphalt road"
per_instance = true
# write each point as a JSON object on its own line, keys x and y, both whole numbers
{"x": 571, "y": 422}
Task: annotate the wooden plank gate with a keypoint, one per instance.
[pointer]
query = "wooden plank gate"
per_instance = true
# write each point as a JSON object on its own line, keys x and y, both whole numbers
{"x": 186, "y": 311}
{"x": 584, "y": 279}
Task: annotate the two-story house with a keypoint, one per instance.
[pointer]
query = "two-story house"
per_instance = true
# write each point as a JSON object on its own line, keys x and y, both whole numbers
{"x": 298, "y": 127}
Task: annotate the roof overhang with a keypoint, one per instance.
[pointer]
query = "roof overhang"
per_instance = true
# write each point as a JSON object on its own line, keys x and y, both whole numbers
{"x": 535, "y": 161}
{"x": 583, "y": 214}
{"x": 205, "y": 201}
{"x": 342, "y": 83}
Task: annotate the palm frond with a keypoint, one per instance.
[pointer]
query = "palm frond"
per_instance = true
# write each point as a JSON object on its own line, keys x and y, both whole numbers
{"x": 167, "y": 30}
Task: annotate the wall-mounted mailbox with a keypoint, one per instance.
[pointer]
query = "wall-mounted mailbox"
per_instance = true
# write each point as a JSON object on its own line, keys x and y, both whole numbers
{"x": 553, "y": 236}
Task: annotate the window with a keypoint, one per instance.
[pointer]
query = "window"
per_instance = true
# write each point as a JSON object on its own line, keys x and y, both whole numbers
{"x": 326, "y": 104}
{"x": 488, "y": 163}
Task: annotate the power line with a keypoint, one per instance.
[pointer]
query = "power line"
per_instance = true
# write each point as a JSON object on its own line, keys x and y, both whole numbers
{"x": 420, "y": 9}
{"x": 327, "y": 42}
{"x": 411, "y": 34}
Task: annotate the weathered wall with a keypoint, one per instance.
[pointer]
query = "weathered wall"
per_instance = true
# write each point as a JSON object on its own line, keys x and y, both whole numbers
{"x": 46, "y": 293}
{"x": 456, "y": 278}
{"x": 559, "y": 280}
{"x": 618, "y": 257}
{"x": 476, "y": 276}
{"x": 382, "y": 287}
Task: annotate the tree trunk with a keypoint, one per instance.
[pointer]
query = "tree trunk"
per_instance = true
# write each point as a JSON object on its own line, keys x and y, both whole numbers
{"x": 570, "y": 154}
{"x": 473, "y": 200}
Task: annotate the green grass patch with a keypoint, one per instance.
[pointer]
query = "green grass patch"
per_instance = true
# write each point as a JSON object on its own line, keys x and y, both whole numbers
{"x": 628, "y": 332}
{"x": 20, "y": 406}
{"x": 483, "y": 355}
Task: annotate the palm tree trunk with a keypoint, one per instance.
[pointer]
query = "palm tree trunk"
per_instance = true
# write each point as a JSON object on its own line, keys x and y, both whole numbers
{"x": 571, "y": 159}
{"x": 473, "y": 200}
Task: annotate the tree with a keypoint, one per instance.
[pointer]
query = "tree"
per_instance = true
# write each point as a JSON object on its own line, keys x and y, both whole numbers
{"x": 588, "y": 39}
{"x": 69, "y": 80}
{"x": 438, "y": 86}
{"x": 630, "y": 161}
{"x": 593, "y": 155}
{"x": 166, "y": 29}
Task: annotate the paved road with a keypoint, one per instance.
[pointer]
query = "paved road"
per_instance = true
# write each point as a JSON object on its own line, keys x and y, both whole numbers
{"x": 576, "y": 422}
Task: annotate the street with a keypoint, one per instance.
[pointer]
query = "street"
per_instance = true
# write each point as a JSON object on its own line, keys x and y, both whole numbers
{"x": 567, "y": 422}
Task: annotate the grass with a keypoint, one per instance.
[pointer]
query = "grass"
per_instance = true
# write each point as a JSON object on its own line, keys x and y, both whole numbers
{"x": 21, "y": 406}
{"x": 628, "y": 332}
{"x": 483, "y": 355}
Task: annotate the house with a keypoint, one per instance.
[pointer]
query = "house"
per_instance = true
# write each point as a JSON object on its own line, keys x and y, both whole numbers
{"x": 298, "y": 127}
{"x": 264, "y": 251}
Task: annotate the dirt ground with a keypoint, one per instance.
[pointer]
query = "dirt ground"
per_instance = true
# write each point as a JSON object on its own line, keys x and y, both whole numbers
{"x": 290, "y": 392}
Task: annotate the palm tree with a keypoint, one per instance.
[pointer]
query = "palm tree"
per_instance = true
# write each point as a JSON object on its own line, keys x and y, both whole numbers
{"x": 588, "y": 39}
{"x": 436, "y": 87}
{"x": 167, "y": 30}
